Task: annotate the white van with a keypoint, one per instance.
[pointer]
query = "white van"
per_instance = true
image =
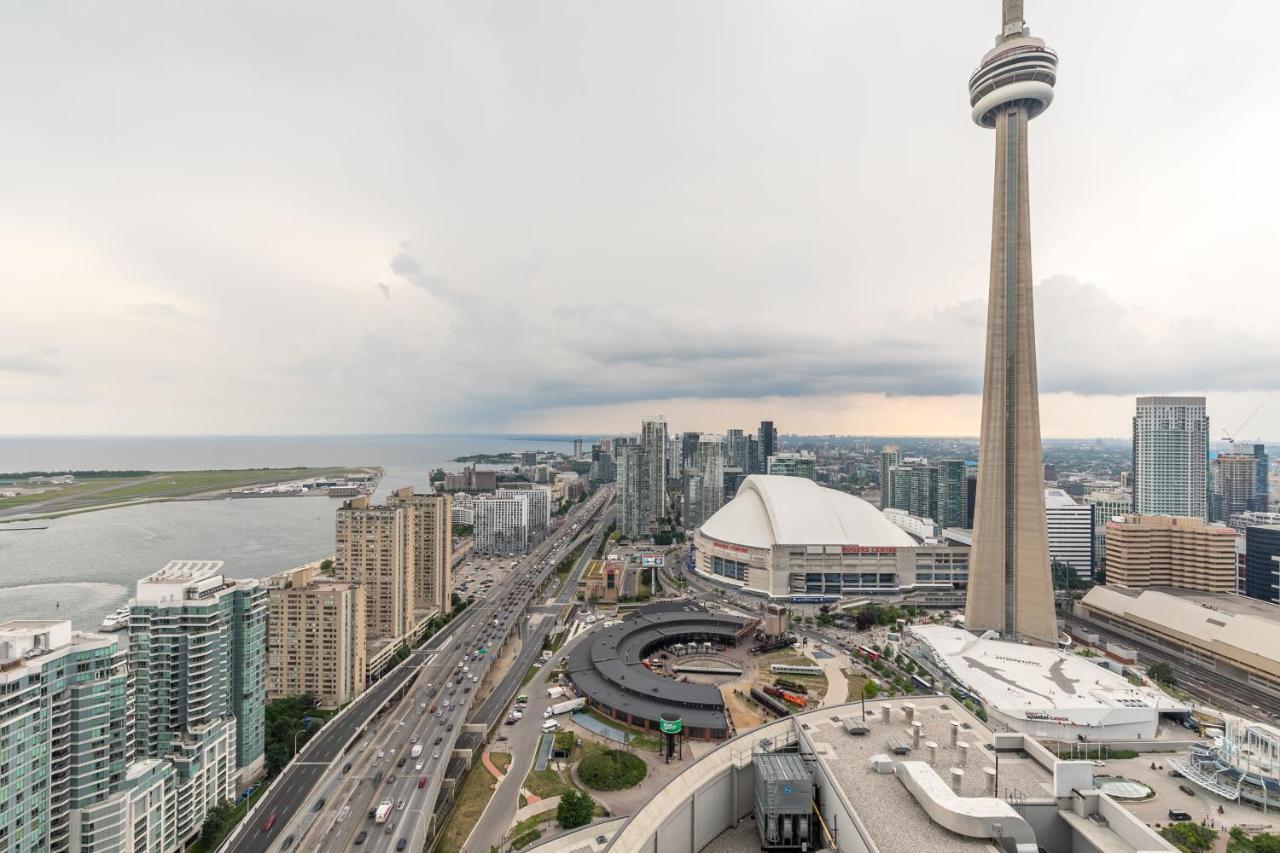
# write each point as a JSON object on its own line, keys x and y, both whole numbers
{"x": 550, "y": 725}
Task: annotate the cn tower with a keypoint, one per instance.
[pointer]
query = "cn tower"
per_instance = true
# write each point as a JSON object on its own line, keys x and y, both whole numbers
{"x": 1010, "y": 584}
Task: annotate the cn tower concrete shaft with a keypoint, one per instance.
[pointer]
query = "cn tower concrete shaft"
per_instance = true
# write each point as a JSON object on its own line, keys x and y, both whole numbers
{"x": 1010, "y": 584}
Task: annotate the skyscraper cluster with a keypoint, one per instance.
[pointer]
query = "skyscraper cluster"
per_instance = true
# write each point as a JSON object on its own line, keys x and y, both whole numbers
{"x": 666, "y": 479}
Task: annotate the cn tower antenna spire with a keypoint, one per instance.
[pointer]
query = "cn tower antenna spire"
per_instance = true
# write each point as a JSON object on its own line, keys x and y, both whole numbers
{"x": 1012, "y": 12}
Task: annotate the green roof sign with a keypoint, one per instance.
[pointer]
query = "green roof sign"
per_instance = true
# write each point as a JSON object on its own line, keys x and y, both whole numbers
{"x": 670, "y": 727}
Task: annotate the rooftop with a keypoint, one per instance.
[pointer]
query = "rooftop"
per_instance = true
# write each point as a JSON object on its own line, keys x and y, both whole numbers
{"x": 775, "y": 510}
{"x": 1023, "y": 679}
{"x": 1231, "y": 623}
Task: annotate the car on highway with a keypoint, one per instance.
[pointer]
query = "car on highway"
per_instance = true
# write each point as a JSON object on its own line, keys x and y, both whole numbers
{"x": 439, "y": 739}
{"x": 435, "y": 754}
{"x": 418, "y": 766}
{"x": 401, "y": 843}
{"x": 391, "y": 827}
{"x": 400, "y": 806}
{"x": 270, "y": 822}
{"x": 380, "y": 755}
{"x": 391, "y": 780}
{"x": 288, "y": 842}
{"x": 346, "y": 768}
{"x": 362, "y": 836}
{"x": 449, "y": 728}
{"x": 400, "y": 763}
{"x": 319, "y": 805}
{"x": 422, "y": 781}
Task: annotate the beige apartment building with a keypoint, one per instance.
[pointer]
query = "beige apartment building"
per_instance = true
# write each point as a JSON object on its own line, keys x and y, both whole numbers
{"x": 315, "y": 636}
{"x": 429, "y": 526}
{"x": 1164, "y": 550}
{"x": 373, "y": 548}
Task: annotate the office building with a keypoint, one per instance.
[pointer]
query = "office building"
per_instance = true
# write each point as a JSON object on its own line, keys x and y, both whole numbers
{"x": 766, "y": 445}
{"x": 1262, "y": 491}
{"x": 1070, "y": 529}
{"x": 1235, "y": 484}
{"x": 502, "y": 526}
{"x": 890, "y": 458}
{"x": 1105, "y": 506}
{"x": 951, "y": 509}
{"x": 1171, "y": 457}
{"x": 653, "y": 440}
{"x": 1164, "y": 550}
{"x": 1010, "y": 589}
{"x": 793, "y": 464}
{"x": 1262, "y": 562}
{"x": 373, "y": 547}
{"x": 428, "y": 551}
{"x": 315, "y": 637}
{"x": 471, "y": 480}
{"x": 1241, "y": 521}
{"x": 577, "y": 448}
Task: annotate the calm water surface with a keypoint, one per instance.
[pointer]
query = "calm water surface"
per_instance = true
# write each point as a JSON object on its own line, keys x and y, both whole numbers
{"x": 84, "y": 566}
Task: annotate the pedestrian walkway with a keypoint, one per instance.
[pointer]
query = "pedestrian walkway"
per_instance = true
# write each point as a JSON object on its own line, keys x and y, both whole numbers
{"x": 491, "y": 767}
{"x": 837, "y": 685}
{"x": 536, "y": 806}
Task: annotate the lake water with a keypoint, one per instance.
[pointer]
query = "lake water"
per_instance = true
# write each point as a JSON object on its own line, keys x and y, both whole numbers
{"x": 84, "y": 566}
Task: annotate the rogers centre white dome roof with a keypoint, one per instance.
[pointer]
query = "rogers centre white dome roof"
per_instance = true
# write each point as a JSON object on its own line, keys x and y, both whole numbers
{"x": 773, "y": 510}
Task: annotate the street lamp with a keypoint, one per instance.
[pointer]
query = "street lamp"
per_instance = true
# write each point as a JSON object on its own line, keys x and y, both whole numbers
{"x": 295, "y": 740}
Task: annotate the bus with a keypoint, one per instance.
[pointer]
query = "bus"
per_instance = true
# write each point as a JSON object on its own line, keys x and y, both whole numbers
{"x": 868, "y": 653}
{"x": 921, "y": 683}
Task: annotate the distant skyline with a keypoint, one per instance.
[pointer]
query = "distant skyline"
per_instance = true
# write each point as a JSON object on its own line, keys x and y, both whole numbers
{"x": 469, "y": 217}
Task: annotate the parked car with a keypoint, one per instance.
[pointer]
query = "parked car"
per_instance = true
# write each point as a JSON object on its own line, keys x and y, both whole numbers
{"x": 1179, "y": 814}
{"x": 1188, "y": 790}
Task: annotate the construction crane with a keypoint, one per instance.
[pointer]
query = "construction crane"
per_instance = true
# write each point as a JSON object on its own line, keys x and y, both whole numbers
{"x": 1230, "y": 436}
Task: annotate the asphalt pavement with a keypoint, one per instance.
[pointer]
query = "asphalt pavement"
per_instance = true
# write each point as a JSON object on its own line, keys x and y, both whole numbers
{"x": 333, "y": 768}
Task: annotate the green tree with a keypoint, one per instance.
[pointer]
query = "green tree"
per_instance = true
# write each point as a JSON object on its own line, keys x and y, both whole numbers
{"x": 1163, "y": 673}
{"x": 870, "y": 690}
{"x": 575, "y": 809}
{"x": 216, "y": 823}
{"x": 325, "y": 566}
{"x": 1190, "y": 837}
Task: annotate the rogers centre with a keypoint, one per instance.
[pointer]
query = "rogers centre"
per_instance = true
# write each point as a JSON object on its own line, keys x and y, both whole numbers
{"x": 788, "y": 537}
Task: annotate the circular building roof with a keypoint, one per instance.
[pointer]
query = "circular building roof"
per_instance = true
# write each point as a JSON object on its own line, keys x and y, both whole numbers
{"x": 773, "y": 510}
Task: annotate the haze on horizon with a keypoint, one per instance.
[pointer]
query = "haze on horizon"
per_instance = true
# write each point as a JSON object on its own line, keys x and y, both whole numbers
{"x": 560, "y": 217}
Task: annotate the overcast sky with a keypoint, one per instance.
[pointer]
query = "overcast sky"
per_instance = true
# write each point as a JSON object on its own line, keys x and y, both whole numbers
{"x": 558, "y": 217}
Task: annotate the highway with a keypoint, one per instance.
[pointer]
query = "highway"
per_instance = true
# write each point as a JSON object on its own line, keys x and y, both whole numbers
{"x": 323, "y": 799}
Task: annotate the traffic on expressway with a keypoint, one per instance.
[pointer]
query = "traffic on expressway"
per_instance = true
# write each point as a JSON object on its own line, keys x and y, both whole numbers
{"x": 369, "y": 780}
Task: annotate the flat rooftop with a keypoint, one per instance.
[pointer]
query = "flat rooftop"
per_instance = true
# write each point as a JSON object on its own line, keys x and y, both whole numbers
{"x": 1227, "y": 602}
{"x": 895, "y": 819}
{"x": 1017, "y": 678}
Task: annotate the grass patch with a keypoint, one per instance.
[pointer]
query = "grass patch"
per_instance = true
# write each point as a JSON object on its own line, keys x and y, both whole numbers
{"x": 476, "y": 792}
{"x": 856, "y": 684}
{"x": 547, "y": 783}
{"x": 501, "y": 760}
{"x": 161, "y": 485}
{"x": 529, "y": 676}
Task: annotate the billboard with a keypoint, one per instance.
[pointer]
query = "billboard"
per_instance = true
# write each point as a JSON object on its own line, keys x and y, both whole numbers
{"x": 670, "y": 727}
{"x": 650, "y": 560}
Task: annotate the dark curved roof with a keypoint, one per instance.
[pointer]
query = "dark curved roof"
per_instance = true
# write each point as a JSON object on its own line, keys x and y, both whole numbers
{"x": 609, "y": 669}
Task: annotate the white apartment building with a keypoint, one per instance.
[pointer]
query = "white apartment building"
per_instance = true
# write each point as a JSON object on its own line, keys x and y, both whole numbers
{"x": 539, "y": 501}
{"x": 1171, "y": 457}
{"x": 501, "y": 525}
{"x": 1070, "y": 527}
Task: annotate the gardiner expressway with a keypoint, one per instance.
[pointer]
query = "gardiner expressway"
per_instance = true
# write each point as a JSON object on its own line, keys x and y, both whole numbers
{"x": 323, "y": 800}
